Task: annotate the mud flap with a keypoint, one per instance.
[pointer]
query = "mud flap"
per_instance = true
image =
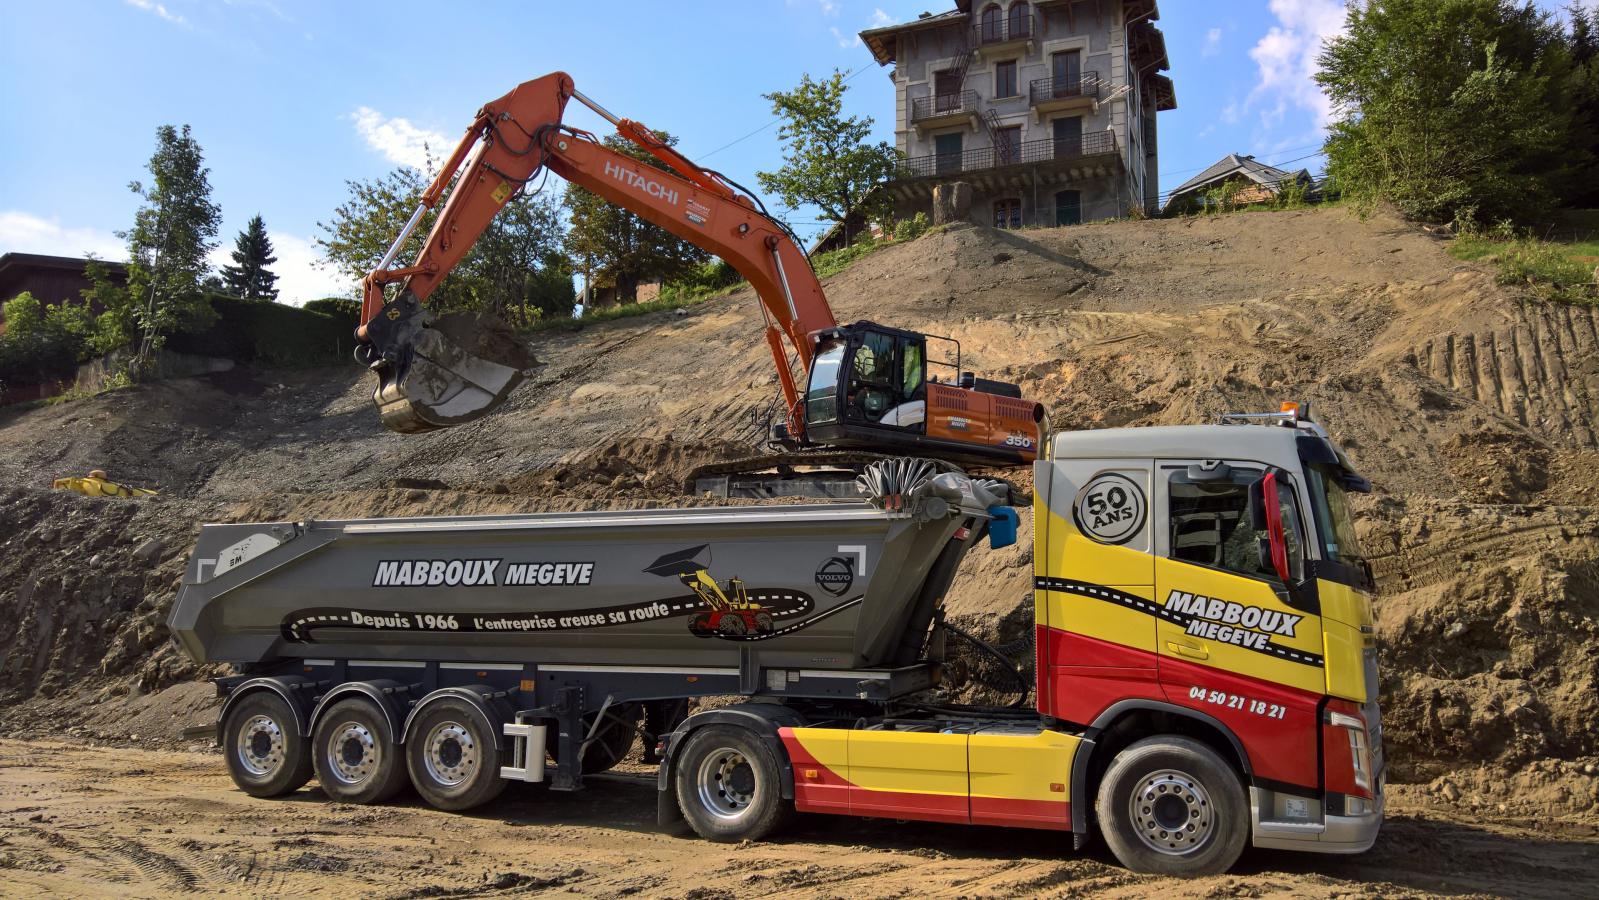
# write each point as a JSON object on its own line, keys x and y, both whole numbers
{"x": 438, "y": 372}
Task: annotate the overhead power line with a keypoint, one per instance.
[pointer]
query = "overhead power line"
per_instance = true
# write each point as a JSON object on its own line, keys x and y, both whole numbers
{"x": 847, "y": 77}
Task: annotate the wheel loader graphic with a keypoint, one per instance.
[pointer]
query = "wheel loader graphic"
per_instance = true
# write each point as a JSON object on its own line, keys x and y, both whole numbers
{"x": 730, "y": 611}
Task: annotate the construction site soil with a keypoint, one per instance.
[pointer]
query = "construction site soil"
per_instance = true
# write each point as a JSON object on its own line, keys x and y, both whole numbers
{"x": 1470, "y": 406}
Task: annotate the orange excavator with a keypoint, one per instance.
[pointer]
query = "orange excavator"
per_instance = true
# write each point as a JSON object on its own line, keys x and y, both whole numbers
{"x": 865, "y": 387}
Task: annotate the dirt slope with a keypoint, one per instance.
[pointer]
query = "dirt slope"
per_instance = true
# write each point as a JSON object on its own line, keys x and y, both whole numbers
{"x": 1471, "y": 409}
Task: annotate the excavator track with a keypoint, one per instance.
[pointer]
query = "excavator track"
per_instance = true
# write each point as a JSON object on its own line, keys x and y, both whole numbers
{"x": 815, "y": 474}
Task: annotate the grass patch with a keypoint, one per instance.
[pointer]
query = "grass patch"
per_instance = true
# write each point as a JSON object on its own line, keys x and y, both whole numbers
{"x": 1557, "y": 270}
{"x": 833, "y": 262}
{"x": 672, "y": 300}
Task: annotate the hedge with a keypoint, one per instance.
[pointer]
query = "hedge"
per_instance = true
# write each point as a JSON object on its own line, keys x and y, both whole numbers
{"x": 271, "y": 333}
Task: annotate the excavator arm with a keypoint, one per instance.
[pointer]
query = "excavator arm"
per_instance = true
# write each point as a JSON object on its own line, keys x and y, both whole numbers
{"x": 435, "y": 373}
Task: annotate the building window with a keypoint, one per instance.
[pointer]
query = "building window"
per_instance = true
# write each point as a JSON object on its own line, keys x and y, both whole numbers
{"x": 1069, "y": 208}
{"x": 1021, "y": 24}
{"x": 1211, "y": 524}
{"x": 947, "y": 90}
{"x": 1008, "y": 145}
{"x": 1068, "y": 134}
{"x": 993, "y": 24}
{"x": 1066, "y": 74}
{"x": 1005, "y": 79}
{"x": 1008, "y": 213}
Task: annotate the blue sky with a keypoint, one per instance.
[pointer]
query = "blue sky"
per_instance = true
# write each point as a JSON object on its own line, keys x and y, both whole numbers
{"x": 289, "y": 99}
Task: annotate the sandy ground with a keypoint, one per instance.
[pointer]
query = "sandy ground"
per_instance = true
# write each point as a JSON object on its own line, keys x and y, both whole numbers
{"x": 115, "y": 821}
{"x": 1470, "y": 407}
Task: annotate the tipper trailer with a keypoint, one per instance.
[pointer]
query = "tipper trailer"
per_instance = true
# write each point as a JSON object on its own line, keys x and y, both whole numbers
{"x": 1205, "y": 662}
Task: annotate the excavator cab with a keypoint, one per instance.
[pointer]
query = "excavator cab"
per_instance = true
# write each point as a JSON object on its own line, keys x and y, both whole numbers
{"x": 875, "y": 386}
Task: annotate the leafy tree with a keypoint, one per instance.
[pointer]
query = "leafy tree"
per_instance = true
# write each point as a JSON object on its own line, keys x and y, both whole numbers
{"x": 828, "y": 163}
{"x": 1451, "y": 109}
{"x": 513, "y": 265}
{"x": 617, "y": 247}
{"x": 172, "y": 233}
{"x": 523, "y": 275}
{"x": 1583, "y": 43}
{"x": 249, "y": 277}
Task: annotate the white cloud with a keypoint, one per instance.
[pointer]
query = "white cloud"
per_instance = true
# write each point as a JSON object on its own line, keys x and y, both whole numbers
{"x": 882, "y": 19}
{"x": 1286, "y": 59}
{"x": 845, "y": 40}
{"x": 399, "y": 140}
{"x": 829, "y": 7}
{"x": 1212, "y": 43}
{"x": 299, "y": 278}
{"x": 157, "y": 9}
{"x": 22, "y": 232}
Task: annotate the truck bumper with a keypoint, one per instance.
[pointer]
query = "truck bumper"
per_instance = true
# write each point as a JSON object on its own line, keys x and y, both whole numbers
{"x": 1334, "y": 834}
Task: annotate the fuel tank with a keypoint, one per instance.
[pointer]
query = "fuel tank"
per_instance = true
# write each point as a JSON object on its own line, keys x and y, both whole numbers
{"x": 833, "y": 585}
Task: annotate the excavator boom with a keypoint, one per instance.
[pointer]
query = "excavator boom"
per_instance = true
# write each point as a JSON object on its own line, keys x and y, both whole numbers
{"x": 436, "y": 373}
{"x": 863, "y": 386}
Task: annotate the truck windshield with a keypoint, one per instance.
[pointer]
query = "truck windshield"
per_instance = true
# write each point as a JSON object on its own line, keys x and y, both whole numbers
{"x": 821, "y": 395}
{"x": 1335, "y": 525}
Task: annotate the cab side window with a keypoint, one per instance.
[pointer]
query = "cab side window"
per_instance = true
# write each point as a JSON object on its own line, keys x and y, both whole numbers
{"x": 1211, "y": 523}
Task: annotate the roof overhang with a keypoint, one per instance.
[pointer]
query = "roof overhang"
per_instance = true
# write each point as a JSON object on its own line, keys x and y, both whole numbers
{"x": 884, "y": 42}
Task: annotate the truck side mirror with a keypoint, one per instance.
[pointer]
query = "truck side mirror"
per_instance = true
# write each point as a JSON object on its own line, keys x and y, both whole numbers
{"x": 968, "y": 381}
{"x": 1266, "y": 514}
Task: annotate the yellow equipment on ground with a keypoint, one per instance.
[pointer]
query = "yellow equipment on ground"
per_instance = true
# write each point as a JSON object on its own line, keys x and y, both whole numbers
{"x": 96, "y": 484}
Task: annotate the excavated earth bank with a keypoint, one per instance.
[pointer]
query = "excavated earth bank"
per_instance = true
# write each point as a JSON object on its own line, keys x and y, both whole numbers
{"x": 1471, "y": 407}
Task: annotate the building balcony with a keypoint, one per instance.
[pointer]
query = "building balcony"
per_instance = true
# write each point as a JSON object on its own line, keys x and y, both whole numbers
{"x": 945, "y": 109}
{"x": 1047, "y": 95}
{"x": 1043, "y": 163}
{"x": 1003, "y": 35}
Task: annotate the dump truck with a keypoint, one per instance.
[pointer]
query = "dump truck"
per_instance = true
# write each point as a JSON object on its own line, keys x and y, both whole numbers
{"x": 1205, "y": 673}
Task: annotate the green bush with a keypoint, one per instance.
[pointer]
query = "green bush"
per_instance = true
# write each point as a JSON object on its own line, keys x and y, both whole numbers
{"x": 912, "y": 228}
{"x": 42, "y": 343}
{"x": 1547, "y": 267}
{"x": 707, "y": 279}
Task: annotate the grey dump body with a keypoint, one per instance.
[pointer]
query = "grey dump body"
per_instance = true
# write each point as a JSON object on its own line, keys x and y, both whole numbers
{"x": 824, "y": 586}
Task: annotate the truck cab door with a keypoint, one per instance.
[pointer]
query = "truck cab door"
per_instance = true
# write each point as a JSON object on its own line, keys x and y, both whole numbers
{"x": 1094, "y": 585}
{"x": 1235, "y": 642}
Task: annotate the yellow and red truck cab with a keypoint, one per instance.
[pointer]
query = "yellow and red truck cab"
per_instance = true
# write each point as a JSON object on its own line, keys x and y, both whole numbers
{"x": 1206, "y": 669}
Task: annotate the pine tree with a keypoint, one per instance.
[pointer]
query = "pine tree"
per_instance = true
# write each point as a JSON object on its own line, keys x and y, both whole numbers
{"x": 249, "y": 277}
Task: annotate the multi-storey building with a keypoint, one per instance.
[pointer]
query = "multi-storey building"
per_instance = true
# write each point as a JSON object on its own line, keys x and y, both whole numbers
{"x": 1046, "y": 108}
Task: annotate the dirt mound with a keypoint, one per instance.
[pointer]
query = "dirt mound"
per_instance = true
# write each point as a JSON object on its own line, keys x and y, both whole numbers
{"x": 1470, "y": 407}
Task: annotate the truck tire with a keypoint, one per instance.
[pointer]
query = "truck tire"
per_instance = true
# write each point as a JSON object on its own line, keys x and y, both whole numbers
{"x": 454, "y": 763}
{"x": 266, "y": 754}
{"x": 1172, "y": 806}
{"x": 729, "y": 785}
{"x": 355, "y": 760}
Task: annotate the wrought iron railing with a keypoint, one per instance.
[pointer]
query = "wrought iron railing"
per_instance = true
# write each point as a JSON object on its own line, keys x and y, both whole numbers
{"x": 960, "y": 103}
{"x": 1045, "y": 89}
{"x": 981, "y": 158}
{"x": 1000, "y": 29}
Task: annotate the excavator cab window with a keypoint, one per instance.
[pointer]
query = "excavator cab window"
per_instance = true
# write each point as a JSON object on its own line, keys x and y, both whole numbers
{"x": 821, "y": 395}
{"x": 888, "y": 381}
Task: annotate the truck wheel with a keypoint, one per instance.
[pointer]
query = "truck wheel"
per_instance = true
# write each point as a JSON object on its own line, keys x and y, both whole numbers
{"x": 732, "y": 625}
{"x": 355, "y": 760}
{"x": 729, "y": 786}
{"x": 763, "y": 622}
{"x": 266, "y": 755}
{"x": 454, "y": 764}
{"x": 1172, "y": 806}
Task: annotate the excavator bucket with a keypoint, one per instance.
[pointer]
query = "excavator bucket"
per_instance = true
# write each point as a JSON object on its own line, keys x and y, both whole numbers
{"x": 438, "y": 372}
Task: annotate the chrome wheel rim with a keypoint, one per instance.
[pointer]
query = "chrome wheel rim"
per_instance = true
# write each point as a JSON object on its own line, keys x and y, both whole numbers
{"x": 451, "y": 755}
{"x": 260, "y": 746}
{"x": 1171, "y": 812}
{"x": 351, "y": 753}
{"x": 727, "y": 784}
